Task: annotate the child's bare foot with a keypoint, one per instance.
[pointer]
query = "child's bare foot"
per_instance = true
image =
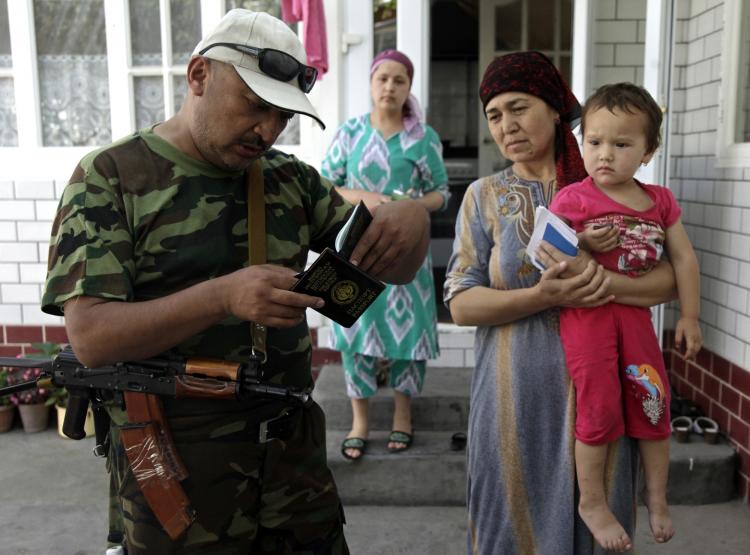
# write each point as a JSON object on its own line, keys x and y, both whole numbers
{"x": 659, "y": 518}
{"x": 604, "y": 526}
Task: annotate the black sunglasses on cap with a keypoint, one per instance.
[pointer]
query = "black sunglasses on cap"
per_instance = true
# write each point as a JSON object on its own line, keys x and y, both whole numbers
{"x": 275, "y": 63}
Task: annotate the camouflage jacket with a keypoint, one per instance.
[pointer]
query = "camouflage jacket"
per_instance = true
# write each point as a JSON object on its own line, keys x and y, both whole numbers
{"x": 139, "y": 220}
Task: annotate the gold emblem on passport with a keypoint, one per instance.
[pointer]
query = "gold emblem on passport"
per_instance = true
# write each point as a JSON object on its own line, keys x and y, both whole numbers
{"x": 344, "y": 292}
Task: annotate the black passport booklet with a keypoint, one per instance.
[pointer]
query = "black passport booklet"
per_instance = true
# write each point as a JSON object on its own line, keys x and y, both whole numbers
{"x": 346, "y": 290}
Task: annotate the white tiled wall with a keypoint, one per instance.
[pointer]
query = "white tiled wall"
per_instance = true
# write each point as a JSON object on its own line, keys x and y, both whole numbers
{"x": 715, "y": 201}
{"x": 26, "y": 212}
{"x": 619, "y": 36}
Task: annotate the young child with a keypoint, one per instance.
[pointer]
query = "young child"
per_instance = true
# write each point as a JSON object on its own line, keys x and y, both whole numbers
{"x": 612, "y": 352}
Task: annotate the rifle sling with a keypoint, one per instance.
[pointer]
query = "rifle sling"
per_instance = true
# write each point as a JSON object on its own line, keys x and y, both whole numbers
{"x": 256, "y": 242}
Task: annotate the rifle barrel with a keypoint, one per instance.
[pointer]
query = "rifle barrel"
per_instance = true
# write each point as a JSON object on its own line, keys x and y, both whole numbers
{"x": 43, "y": 363}
{"x": 17, "y": 387}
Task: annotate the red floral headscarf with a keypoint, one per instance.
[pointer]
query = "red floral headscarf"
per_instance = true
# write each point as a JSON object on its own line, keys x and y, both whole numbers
{"x": 533, "y": 73}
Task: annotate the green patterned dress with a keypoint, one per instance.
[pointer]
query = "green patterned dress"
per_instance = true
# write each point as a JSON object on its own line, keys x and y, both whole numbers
{"x": 402, "y": 323}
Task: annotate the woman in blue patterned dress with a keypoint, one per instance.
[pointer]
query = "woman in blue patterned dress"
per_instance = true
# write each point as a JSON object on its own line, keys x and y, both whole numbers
{"x": 521, "y": 483}
{"x": 380, "y": 157}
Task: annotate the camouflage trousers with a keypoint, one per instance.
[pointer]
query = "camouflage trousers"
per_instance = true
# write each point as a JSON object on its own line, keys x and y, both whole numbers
{"x": 278, "y": 497}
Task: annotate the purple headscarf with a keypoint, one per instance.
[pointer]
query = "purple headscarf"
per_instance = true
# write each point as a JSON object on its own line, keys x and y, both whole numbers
{"x": 412, "y": 114}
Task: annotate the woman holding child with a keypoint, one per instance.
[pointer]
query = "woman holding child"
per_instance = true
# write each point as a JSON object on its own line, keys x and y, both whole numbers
{"x": 522, "y": 495}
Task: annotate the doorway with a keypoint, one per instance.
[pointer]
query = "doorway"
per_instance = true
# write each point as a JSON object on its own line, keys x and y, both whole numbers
{"x": 507, "y": 26}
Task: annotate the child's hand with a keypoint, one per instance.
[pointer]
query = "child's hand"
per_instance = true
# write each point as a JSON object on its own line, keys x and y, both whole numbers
{"x": 688, "y": 329}
{"x": 596, "y": 238}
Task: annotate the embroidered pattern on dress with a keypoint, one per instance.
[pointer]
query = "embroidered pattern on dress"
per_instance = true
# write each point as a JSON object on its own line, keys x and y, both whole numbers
{"x": 515, "y": 204}
{"x": 648, "y": 388}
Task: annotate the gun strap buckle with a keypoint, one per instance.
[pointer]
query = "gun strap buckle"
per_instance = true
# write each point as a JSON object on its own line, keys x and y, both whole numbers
{"x": 279, "y": 427}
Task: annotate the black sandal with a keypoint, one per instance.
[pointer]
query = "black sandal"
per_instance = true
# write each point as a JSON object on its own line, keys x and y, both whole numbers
{"x": 400, "y": 437}
{"x": 458, "y": 441}
{"x": 355, "y": 443}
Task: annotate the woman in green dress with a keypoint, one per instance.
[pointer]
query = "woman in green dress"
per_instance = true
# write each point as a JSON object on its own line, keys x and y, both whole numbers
{"x": 380, "y": 157}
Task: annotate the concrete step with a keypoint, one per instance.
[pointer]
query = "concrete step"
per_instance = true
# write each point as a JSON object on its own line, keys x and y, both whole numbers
{"x": 428, "y": 473}
{"x": 443, "y": 404}
{"x": 700, "y": 473}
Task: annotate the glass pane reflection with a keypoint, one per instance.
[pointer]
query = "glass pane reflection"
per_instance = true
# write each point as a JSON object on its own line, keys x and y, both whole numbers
{"x": 5, "y": 59}
{"x": 742, "y": 132}
{"x": 508, "y": 20}
{"x": 179, "y": 91}
{"x": 145, "y": 32}
{"x": 8, "y": 125}
{"x": 542, "y": 25}
{"x": 72, "y": 63}
{"x": 186, "y": 29}
{"x": 149, "y": 100}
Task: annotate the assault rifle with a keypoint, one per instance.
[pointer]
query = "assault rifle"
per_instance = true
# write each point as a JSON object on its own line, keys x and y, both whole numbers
{"x": 146, "y": 438}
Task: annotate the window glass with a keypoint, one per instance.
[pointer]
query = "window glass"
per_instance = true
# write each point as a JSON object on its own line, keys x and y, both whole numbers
{"x": 149, "y": 100}
{"x": 185, "y": 27}
{"x": 72, "y": 64}
{"x": 566, "y": 17}
{"x": 542, "y": 25}
{"x": 8, "y": 125}
{"x": 5, "y": 60}
{"x": 290, "y": 135}
{"x": 179, "y": 86}
{"x": 384, "y": 21}
{"x": 742, "y": 131}
{"x": 508, "y": 26}
{"x": 272, "y": 7}
{"x": 145, "y": 32}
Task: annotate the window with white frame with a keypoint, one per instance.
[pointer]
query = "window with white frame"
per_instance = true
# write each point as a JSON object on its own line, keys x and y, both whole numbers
{"x": 80, "y": 73}
{"x": 733, "y": 145}
{"x": 544, "y": 25}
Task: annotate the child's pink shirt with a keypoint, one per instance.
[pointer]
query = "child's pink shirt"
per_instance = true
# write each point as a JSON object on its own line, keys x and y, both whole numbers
{"x": 642, "y": 234}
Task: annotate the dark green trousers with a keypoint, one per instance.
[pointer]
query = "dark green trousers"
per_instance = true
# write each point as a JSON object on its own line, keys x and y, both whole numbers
{"x": 278, "y": 497}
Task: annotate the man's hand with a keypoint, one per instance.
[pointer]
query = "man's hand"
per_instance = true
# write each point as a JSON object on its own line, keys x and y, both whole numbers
{"x": 585, "y": 290}
{"x": 596, "y": 238}
{"x": 687, "y": 329}
{"x": 395, "y": 243}
{"x": 261, "y": 294}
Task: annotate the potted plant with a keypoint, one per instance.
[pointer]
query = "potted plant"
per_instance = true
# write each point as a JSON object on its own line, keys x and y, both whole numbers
{"x": 7, "y": 409}
{"x": 31, "y": 402}
{"x": 58, "y": 396}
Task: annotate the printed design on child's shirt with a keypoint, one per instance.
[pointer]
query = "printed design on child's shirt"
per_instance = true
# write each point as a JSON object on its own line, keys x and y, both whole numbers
{"x": 648, "y": 388}
{"x": 641, "y": 240}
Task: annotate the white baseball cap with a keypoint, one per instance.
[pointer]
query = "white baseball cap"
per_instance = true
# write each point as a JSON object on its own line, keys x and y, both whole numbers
{"x": 245, "y": 36}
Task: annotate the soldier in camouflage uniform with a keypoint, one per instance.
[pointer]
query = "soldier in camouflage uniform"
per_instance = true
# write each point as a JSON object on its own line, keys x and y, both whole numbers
{"x": 149, "y": 255}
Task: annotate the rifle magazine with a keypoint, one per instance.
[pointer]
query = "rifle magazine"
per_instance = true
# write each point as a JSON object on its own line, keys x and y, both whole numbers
{"x": 157, "y": 478}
